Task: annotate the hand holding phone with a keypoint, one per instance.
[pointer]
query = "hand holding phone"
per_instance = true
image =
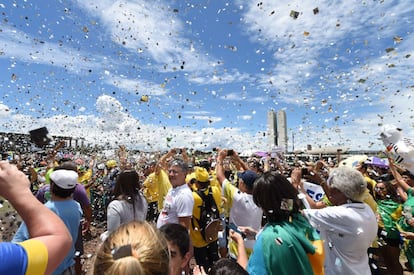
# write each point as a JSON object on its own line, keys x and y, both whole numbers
{"x": 234, "y": 227}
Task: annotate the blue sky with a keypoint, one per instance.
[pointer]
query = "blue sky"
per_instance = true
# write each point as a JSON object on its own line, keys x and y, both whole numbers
{"x": 210, "y": 69}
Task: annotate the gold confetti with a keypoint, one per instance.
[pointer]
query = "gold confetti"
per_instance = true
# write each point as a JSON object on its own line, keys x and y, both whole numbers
{"x": 397, "y": 39}
{"x": 144, "y": 98}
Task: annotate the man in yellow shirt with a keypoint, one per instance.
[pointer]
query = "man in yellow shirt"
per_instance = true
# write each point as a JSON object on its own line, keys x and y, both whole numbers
{"x": 205, "y": 247}
{"x": 155, "y": 187}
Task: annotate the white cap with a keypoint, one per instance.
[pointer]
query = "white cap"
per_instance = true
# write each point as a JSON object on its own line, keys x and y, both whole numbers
{"x": 66, "y": 179}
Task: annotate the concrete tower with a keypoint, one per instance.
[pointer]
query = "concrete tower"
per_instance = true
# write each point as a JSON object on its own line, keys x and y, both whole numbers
{"x": 272, "y": 128}
{"x": 277, "y": 129}
{"x": 282, "y": 139}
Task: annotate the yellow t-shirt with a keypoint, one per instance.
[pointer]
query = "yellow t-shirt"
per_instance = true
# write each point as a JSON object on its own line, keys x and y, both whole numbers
{"x": 195, "y": 235}
{"x": 150, "y": 188}
{"x": 84, "y": 179}
{"x": 156, "y": 186}
{"x": 163, "y": 184}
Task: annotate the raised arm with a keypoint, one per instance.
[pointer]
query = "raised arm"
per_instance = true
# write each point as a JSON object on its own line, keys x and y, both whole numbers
{"x": 238, "y": 159}
{"x": 397, "y": 176}
{"x": 221, "y": 155}
{"x": 162, "y": 162}
{"x": 42, "y": 223}
{"x": 296, "y": 180}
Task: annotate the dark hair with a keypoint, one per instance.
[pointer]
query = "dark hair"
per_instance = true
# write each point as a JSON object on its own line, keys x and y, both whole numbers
{"x": 205, "y": 164}
{"x": 127, "y": 186}
{"x": 408, "y": 174}
{"x": 391, "y": 191}
{"x": 67, "y": 165}
{"x": 60, "y": 192}
{"x": 227, "y": 266}
{"x": 178, "y": 235}
{"x": 276, "y": 196}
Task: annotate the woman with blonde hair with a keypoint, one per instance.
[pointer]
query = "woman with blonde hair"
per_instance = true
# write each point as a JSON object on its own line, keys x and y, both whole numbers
{"x": 134, "y": 248}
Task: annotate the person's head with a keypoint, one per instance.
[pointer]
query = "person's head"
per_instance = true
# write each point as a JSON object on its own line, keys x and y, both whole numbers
{"x": 408, "y": 178}
{"x": 178, "y": 241}
{"x": 82, "y": 169}
{"x": 319, "y": 165}
{"x": 276, "y": 196}
{"x": 67, "y": 165}
{"x": 227, "y": 266}
{"x": 177, "y": 172}
{"x": 110, "y": 164}
{"x": 100, "y": 169}
{"x": 127, "y": 184}
{"x": 385, "y": 190}
{"x": 246, "y": 180}
{"x": 254, "y": 165}
{"x": 205, "y": 164}
{"x": 362, "y": 167}
{"x": 149, "y": 167}
{"x": 63, "y": 182}
{"x": 344, "y": 184}
{"x": 202, "y": 177}
{"x": 134, "y": 248}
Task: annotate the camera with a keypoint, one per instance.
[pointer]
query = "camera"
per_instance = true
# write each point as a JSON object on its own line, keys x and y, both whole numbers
{"x": 230, "y": 152}
{"x": 305, "y": 171}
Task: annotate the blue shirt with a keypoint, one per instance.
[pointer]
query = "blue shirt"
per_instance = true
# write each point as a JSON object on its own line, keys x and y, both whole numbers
{"x": 70, "y": 212}
{"x": 29, "y": 257}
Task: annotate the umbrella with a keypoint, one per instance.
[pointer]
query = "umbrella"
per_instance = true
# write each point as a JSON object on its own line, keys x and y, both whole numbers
{"x": 377, "y": 161}
{"x": 261, "y": 154}
{"x": 353, "y": 161}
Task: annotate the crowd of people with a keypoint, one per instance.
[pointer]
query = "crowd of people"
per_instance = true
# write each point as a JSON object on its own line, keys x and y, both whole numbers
{"x": 218, "y": 213}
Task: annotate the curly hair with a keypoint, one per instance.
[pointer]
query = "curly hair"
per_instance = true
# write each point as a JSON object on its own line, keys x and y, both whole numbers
{"x": 349, "y": 181}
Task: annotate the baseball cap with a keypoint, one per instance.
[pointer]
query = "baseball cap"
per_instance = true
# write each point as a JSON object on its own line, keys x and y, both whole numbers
{"x": 201, "y": 174}
{"x": 248, "y": 177}
{"x": 65, "y": 179}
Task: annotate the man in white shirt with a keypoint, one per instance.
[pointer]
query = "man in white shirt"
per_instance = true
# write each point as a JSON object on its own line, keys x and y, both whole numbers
{"x": 179, "y": 201}
{"x": 243, "y": 211}
{"x": 349, "y": 227}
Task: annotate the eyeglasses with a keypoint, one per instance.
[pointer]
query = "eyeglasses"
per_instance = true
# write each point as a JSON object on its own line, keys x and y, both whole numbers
{"x": 381, "y": 188}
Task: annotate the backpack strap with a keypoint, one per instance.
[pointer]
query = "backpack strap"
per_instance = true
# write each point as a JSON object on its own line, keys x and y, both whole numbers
{"x": 205, "y": 201}
{"x": 203, "y": 196}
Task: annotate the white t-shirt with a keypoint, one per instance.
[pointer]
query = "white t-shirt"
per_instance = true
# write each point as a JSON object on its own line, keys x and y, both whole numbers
{"x": 243, "y": 211}
{"x": 348, "y": 231}
{"x": 178, "y": 203}
{"x": 121, "y": 211}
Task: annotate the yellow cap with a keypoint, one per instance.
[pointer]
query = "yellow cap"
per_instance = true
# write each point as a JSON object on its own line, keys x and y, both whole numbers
{"x": 111, "y": 164}
{"x": 201, "y": 174}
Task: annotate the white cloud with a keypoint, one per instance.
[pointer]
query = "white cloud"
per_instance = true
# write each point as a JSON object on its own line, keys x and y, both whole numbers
{"x": 4, "y": 111}
{"x": 209, "y": 119}
{"x": 152, "y": 30}
{"x": 138, "y": 86}
{"x": 114, "y": 127}
{"x": 21, "y": 46}
{"x": 245, "y": 117}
